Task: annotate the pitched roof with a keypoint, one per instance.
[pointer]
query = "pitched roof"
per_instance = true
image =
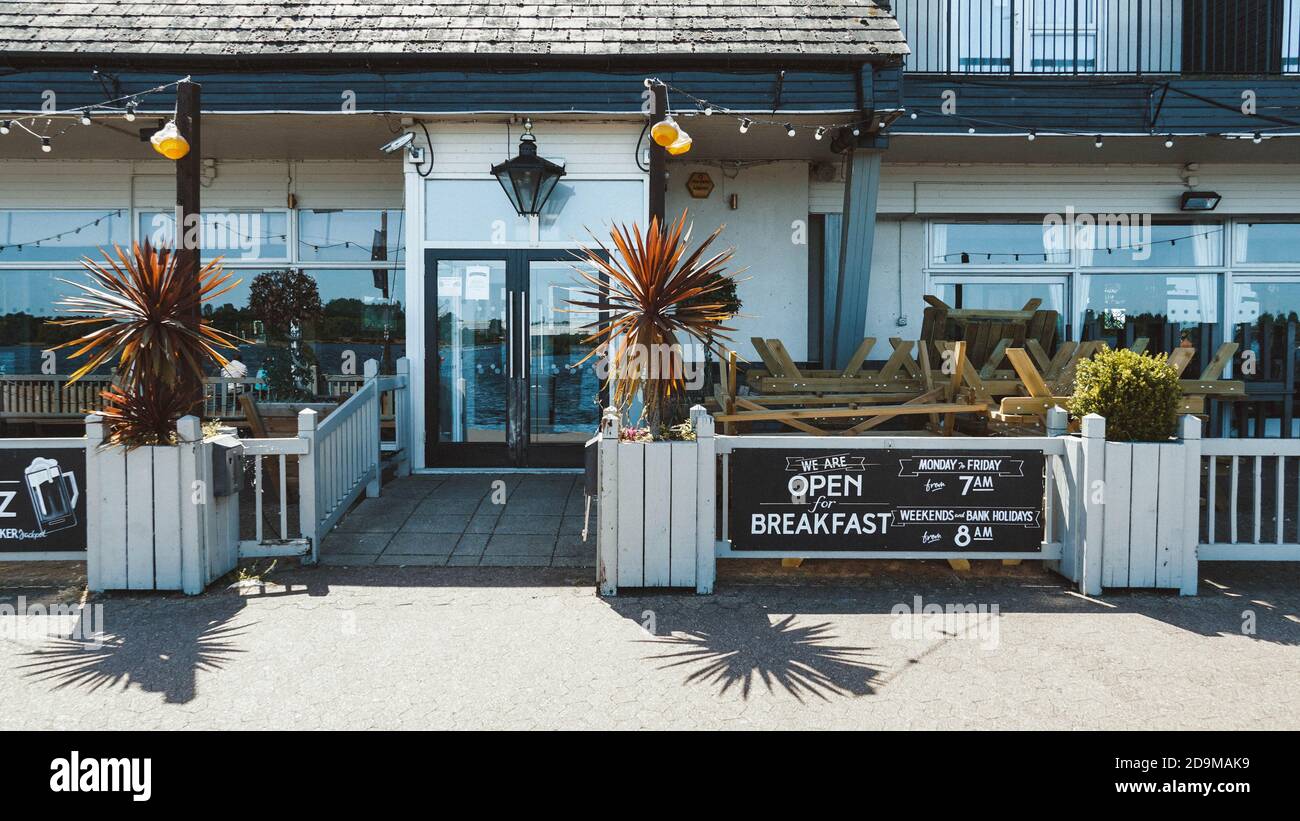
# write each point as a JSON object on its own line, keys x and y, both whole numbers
{"x": 265, "y": 28}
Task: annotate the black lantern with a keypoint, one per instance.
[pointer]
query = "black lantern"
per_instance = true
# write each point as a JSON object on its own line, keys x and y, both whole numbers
{"x": 527, "y": 179}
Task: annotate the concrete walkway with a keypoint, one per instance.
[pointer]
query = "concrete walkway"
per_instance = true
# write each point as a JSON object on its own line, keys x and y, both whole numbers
{"x": 468, "y": 520}
{"x": 817, "y": 647}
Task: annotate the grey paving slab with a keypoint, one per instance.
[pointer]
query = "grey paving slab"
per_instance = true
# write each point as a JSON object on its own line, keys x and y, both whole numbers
{"x": 437, "y": 504}
{"x": 520, "y": 544}
{"x": 349, "y": 542}
{"x": 423, "y": 544}
{"x": 491, "y": 560}
{"x": 540, "y": 506}
{"x": 408, "y": 560}
{"x": 437, "y": 523}
{"x": 528, "y": 524}
{"x": 471, "y": 544}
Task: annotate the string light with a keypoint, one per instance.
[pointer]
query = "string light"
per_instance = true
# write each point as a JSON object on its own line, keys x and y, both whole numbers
{"x": 1169, "y": 142}
{"x": 820, "y": 132}
{"x": 1097, "y": 143}
{"x": 75, "y": 116}
{"x": 746, "y": 122}
{"x": 1033, "y": 135}
{"x": 1258, "y": 138}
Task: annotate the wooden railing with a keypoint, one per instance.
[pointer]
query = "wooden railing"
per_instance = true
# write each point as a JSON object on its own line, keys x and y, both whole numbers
{"x": 339, "y": 458}
{"x": 28, "y": 396}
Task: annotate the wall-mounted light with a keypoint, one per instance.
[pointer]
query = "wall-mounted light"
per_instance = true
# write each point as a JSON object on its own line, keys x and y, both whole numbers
{"x": 1199, "y": 201}
{"x": 169, "y": 142}
{"x": 527, "y": 179}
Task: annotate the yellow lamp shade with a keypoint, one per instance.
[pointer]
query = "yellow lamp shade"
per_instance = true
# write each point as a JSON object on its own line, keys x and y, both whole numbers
{"x": 682, "y": 144}
{"x": 169, "y": 142}
{"x": 665, "y": 132}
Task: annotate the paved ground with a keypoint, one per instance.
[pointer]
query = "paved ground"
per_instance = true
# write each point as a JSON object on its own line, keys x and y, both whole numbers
{"x": 818, "y": 647}
{"x": 467, "y": 520}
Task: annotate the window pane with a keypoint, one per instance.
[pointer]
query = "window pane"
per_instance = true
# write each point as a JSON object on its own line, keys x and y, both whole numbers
{"x": 471, "y": 211}
{"x": 1175, "y": 310}
{"x": 577, "y": 209}
{"x": 27, "y": 300}
{"x": 1178, "y": 245}
{"x": 233, "y": 235}
{"x": 994, "y": 244}
{"x": 50, "y": 236}
{"x": 363, "y": 318}
{"x": 338, "y": 235}
{"x": 1268, "y": 242}
{"x": 1261, "y": 312}
{"x": 1011, "y": 294}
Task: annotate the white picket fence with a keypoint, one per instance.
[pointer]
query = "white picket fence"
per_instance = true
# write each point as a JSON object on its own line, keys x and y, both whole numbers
{"x": 1247, "y": 501}
{"x": 338, "y": 459}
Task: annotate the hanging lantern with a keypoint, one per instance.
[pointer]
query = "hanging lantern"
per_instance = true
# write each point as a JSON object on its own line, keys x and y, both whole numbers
{"x": 169, "y": 142}
{"x": 666, "y": 131}
{"x": 527, "y": 179}
{"x": 682, "y": 144}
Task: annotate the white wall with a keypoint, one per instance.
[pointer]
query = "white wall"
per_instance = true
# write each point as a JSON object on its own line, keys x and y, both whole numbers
{"x": 769, "y": 233}
{"x": 1001, "y": 188}
{"x": 236, "y": 183}
{"x": 912, "y": 193}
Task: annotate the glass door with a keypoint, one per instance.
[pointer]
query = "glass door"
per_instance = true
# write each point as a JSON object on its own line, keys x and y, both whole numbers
{"x": 503, "y": 345}
{"x": 563, "y": 397}
{"x": 470, "y": 362}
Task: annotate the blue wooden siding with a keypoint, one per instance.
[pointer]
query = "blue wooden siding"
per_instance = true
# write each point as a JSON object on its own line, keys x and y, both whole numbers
{"x": 1098, "y": 104}
{"x": 451, "y": 91}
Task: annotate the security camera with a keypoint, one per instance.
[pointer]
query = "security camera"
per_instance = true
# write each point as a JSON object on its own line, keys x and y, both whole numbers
{"x": 398, "y": 144}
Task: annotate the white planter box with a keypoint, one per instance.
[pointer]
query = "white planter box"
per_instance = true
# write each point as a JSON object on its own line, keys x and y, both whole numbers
{"x": 154, "y": 522}
{"x": 656, "y": 510}
{"x": 1151, "y": 515}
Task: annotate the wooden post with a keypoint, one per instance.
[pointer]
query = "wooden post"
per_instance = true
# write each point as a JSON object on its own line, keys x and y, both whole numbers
{"x": 1191, "y": 436}
{"x": 402, "y": 417}
{"x": 658, "y": 155}
{"x": 188, "y": 211}
{"x": 861, "y": 190}
{"x": 706, "y": 508}
{"x": 94, "y": 503}
{"x": 607, "y": 506}
{"x": 370, "y": 418}
{"x": 307, "y": 517}
{"x": 1091, "y": 524}
{"x": 195, "y": 490}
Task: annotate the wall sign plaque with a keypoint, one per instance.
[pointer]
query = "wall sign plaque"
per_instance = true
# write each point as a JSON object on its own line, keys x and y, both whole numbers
{"x": 42, "y": 507}
{"x": 699, "y": 184}
{"x": 942, "y": 500}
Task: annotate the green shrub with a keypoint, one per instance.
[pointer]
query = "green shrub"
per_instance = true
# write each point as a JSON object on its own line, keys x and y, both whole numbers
{"x": 1137, "y": 393}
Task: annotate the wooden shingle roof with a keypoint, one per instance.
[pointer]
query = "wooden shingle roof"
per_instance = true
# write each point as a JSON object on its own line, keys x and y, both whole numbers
{"x": 225, "y": 28}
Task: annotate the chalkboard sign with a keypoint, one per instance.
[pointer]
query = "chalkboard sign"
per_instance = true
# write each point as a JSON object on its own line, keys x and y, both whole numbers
{"x": 42, "y": 499}
{"x": 943, "y": 500}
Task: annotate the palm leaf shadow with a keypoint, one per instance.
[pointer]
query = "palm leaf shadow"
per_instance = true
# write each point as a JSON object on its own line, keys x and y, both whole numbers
{"x": 801, "y": 659}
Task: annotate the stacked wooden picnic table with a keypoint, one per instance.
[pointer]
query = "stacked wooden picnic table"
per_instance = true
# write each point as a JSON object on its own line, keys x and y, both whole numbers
{"x": 1010, "y": 393}
{"x": 854, "y": 399}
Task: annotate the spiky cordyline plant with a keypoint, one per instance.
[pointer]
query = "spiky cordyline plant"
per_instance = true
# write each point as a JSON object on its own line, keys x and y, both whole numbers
{"x": 650, "y": 298}
{"x": 145, "y": 307}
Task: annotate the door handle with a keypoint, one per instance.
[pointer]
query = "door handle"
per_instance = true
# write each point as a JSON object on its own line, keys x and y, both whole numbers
{"x": 510, "y": 345}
